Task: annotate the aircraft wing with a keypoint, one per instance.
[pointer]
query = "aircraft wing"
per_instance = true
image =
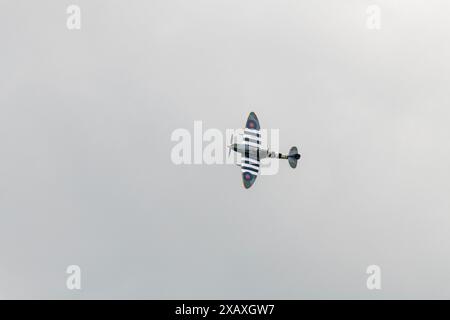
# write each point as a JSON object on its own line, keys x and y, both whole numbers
{"x": 252, "y": 122}
{"x": 250, "y": 159}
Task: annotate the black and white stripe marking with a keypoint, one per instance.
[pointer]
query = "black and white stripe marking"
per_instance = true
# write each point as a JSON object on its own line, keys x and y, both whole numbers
{"x": 252, "y": 137}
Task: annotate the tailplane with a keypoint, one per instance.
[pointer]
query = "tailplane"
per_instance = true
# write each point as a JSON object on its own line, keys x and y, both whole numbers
{"x": 293, "y": 157}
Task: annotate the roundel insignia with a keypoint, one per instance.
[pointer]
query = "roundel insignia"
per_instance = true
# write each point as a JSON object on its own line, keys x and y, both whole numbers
{"x": 251, "y": 124}
{"x": 247, "y": 176}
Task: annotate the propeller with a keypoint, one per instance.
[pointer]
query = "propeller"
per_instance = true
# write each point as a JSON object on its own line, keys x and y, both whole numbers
{"x": 230, "y": 146}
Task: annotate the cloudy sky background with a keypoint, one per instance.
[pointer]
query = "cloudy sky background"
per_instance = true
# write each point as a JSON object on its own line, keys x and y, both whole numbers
{"x": 86, "y": 176}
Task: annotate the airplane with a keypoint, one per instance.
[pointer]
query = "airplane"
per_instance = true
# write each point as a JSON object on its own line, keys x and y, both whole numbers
{"x": 252, "y": 152}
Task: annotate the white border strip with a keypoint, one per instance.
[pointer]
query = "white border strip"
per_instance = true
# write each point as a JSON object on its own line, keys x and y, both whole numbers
{"x": 250, "y": 160}
{"x": 249, "y": 165}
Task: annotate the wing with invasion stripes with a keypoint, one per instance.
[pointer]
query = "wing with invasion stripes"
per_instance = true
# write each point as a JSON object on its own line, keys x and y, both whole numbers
{"x": 250, "y": 158}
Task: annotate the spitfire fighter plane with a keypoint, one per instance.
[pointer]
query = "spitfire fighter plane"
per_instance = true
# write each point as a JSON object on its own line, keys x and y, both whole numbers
{"x": 252, "y": 152}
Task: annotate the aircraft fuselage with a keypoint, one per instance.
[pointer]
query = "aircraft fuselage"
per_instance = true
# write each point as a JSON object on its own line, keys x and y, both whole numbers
{"x": 256, "y": 153}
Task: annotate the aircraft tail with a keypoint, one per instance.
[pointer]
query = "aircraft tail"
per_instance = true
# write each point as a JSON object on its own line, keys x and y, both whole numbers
{"x": 293, "y": 157}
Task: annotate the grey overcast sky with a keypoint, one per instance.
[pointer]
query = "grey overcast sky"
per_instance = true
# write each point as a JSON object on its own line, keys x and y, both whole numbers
{"x": 86, "y": 176}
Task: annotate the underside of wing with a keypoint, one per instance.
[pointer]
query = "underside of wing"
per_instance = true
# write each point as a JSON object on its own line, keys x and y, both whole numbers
{"x": 250, "y": 170}
{"x": 252, "y": 131}
{"x": 252, "y": 122}
{"x": 250, "y": 158}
